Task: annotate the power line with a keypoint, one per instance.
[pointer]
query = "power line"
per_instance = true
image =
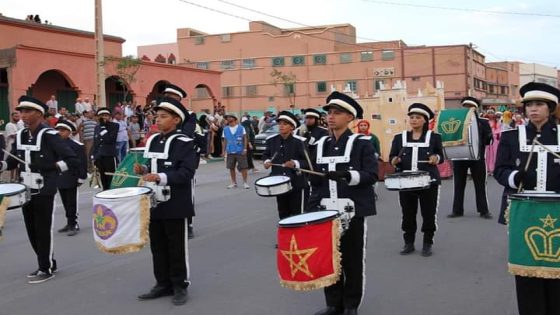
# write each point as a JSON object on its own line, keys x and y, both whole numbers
{"x": 426, "y": 6}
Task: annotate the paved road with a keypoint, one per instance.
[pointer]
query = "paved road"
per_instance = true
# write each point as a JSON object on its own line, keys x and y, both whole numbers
{"x": 233, "y": 263}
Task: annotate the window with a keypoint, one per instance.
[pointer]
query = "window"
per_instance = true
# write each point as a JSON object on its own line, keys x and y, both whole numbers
{"x": 202, "y": 65}
{"x": 321, "y": 87}
{"x": 415, "y": 78}
{"x": 289, "y": 89}
{"x": 271, "y": 98}
{"x": 298, "y": 60}
{"x": 319, "y": 59}
{"x": 226, "y": 38}
{"x": 199, "y": 40}
{"x": 228, "y": 64}
{"x": 201, "y": 92}
{"x": 503, "y": 90}
{"x": 387, "y": 55}
{"x": 345, "y": 58}
{"x": 227, "y": 91}
{"x": 352, "y": 85}
{"x": 248, "y": 63}
{"x": 278, "y": 61}
{"x": 366, "y": 56}
{"x": 379, "y": 84}
{"x": 251, "y": 90}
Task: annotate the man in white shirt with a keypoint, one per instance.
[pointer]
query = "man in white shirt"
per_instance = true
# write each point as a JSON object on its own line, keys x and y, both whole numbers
{"x": 79, "y": 108}
{"x": 53, "y": 103}
{"x": 87, "y": 105}
{"x": 12, "y": 128}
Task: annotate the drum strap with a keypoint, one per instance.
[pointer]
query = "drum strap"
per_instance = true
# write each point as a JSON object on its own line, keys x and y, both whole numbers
{"x": 542, "y": 155}
{"x": 30, "y": 147}
{"x": 415, "y": 146}
{"x": 155, "y": 156}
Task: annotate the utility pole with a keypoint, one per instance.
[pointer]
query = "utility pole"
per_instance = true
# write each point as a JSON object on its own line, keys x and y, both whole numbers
{"x": 99, "y": 56}
{"x": 471, "y": 79}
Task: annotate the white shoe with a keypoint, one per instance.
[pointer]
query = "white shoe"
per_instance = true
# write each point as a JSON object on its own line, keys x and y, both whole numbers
{"x": 246, "y": 186}
{"x": 231, "y": 186}
{"x": 203, "y": 161}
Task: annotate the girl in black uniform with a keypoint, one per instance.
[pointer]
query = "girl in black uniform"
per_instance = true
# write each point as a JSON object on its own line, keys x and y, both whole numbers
{"x": 418, "y": 150}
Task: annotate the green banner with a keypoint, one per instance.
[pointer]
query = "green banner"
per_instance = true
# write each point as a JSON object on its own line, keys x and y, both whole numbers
{"x": 126, "y": 167}
{"x": 534, "y": 238}
{"x": 451, "y": 126}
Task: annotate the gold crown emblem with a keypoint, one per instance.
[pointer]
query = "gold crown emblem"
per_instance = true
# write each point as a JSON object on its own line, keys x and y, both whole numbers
{"x": 119, "y": 180}
{"x": 544, "y": 245}
{"x": 450, "y": 126}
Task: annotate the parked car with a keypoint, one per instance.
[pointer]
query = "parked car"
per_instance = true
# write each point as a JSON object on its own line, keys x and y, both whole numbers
{"x": 260, "y": 140}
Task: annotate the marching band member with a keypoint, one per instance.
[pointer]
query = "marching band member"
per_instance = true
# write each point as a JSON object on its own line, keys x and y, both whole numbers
{"x": 104, "y": 152}
{"x": 69, "y": 181}
{"x": 45, "y": 155}
{"x": 418, "y": 149}
{"x": 170, "y": 174}
{"x": 351, "y": 170}
{"x": 477, "y": 167}
{"x": 288, "y": 150}
{"x": 534, "y": 295}
{"x": 311, "y": 130}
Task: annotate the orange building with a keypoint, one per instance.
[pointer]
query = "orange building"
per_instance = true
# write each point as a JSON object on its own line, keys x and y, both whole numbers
{"x": 270, "y": 68}
{"x": 42, "y": 60}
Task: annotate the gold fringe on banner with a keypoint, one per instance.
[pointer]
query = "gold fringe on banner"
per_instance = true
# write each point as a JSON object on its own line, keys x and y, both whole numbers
{"x": 326, "y": 280}
{"x": 534, "y": 271}
{"x": 3, "y": 209}
{"x": 144, "y": 210}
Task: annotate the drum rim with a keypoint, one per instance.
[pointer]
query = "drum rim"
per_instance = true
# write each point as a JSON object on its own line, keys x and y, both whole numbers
{"x": 333, "y": 214}
{"x": 148, "y": 190}
{"x": 535, "y": 196}
{"x": 285, "y": 180}
{"x": 408, "y": 173}
{"x": 15, "y": 192}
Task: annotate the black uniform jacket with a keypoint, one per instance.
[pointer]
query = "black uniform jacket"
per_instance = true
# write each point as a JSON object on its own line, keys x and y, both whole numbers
{"x": 291, "y": 148}
{"x": 53, "y": 156}
{"x": 105, "y": 140}
{"x": 71, "y": 177}
{"x": 312, "y": 134}
{"x": 363, "y": 169}
{"x": 484, "y": 135}
{"x": 179, "y": 169}
{"x": 509, "y": 158}
{"x": 189, "y": 128}
{"x": 435, "y": 147}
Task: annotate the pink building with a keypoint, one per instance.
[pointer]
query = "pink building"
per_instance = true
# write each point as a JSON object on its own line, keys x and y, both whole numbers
{"x": 42, "y": 60}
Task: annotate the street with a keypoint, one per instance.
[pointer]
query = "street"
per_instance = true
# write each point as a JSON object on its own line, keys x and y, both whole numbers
{"x": 233, "y": 262}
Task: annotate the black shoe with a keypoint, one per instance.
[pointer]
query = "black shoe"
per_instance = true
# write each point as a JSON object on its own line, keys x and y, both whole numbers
{"x": 156, "y": 292}
{"x": 41, "y": 277}
{"x": 407, "y": 249}
{"x": 64, "y": 229}
{"x": 427, "y": 250}
{"x": 486, "y": 215}
{"x": 73, "y": 230}
{"x": 351, "y": 311}
{"x": 33, "y": 274}
{"x": 179, "y": 296}
{"x": 190, "y": 232}
{"x": 454, "y": 215}
{"x": 330, "y": 310}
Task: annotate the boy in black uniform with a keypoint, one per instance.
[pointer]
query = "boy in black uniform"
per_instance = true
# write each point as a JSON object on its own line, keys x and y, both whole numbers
{"x": 312, "y": 131}
{"x": 535, "y": 296}
{"x": 45, "y": 155}
{"x": 104, "y": 152}
{"x": 288, "y": 150}
{"x": 477, "y": 167}
{"x": 351, "y": 170}
{"x": 171, "y": 173}
{"x": 69, "y": 181}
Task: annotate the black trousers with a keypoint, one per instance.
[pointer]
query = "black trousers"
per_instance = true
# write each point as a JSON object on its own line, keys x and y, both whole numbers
{"x": 478, "y": 173}
{"x": 348, "y": 291}
{"x": 106, "y": 164}
{"x": 292, "y": 203}
{"x": 169, "y": 253}
{"x": 536, "y": 296}
{"x": 38, "y": 218}
{"x": 69, "y": 197}
{"x": 428, "y": 199}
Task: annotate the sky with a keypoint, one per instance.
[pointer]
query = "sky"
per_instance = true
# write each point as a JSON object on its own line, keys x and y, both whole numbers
{"x": 531, "y": 36}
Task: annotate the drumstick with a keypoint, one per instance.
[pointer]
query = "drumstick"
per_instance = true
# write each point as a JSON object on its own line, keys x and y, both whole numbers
{"x": 14, "y": 156}
{"x": 123, "y": 175}
{"x": 547, "y": 149}
{"x": 301, "y": 170}
{"x": 528, "y": 162}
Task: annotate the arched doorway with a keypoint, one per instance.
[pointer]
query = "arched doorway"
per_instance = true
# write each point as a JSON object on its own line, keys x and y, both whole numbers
{"x": 116, "y": 91}
{"x": 156, "y": 92}
{"x": 4, "y": 103}
{"x": 57, "y": 83}
{"x": 203, "y": 98}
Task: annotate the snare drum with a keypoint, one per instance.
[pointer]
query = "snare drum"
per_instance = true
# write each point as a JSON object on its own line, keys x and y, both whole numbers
{"x": 308, "y": 255}
{"x": 17, "y": 194}
{"x": 126, "y": 167}
{"x": 408, "y": 180}
{"x": 121, "y": 217}
{"x": 273, "y": 185}
{"x": 459, "y": 133}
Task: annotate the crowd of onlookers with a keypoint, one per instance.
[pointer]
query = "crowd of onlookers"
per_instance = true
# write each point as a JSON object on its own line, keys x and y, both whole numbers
{"x": 35, "y": 18}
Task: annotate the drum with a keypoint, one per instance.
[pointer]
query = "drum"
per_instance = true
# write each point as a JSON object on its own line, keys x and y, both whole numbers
{"x": 121, "y": 217}
{"x": 408, "y": 180}
{"x": 273, "y": 185}
{"x": 126, "y": 167}
{"x": 308, "y": 255}
{"x": 458, "y": 128}
{"x": 16, "y": 194}
{"x": 534, "y": 235}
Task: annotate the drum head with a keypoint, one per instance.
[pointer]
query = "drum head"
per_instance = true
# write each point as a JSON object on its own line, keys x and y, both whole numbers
{"x": 536, "y": 196}
{"x": 10, "y": 189}
{"x": 473, "y": 135}
{"x": 408, "y": 173}
{"x": 272, "y": 180}
{"x": 123, "y": 192}
{"x": 308, "y": 218}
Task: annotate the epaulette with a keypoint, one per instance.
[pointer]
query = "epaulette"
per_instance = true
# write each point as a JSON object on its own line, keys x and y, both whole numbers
{"x": 514, "y": 129}
{"x": 52, "y": 132}
{"x": 78, "y": 142}
{"x": 272, "y": 136}
{"x": 185, "y": 139}
{"x": 300, "y": 137}
{"x": 483, "y": 118}
{"x": 365, "y": 138}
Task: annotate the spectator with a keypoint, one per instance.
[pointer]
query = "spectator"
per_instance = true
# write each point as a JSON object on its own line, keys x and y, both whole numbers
{"x": 234, "y": 140}
{"x": 86, "y": 130}
{"x": 246, "y": 123}
{"x": 53, "y": 103}
{"x": 50, "y": 117}
{"x": 12, "y": 128}
{"x": 140, "y": 114}
{"x": 122, "y": 136}
{"x": 87, "y": 105}
{"x": 37, "y": 19}
{"x": 262, "y": 121}
{"x": 134, "y": 131}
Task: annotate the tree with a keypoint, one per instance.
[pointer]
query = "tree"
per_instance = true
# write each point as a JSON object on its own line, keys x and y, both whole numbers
{"x": 288, "y": 81}
{"x": 126, "y": 69}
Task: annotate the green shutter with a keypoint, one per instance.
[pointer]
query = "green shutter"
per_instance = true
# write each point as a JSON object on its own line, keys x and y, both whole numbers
{"x": 4, "y": 106}
{"x": 67, "y": 99}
